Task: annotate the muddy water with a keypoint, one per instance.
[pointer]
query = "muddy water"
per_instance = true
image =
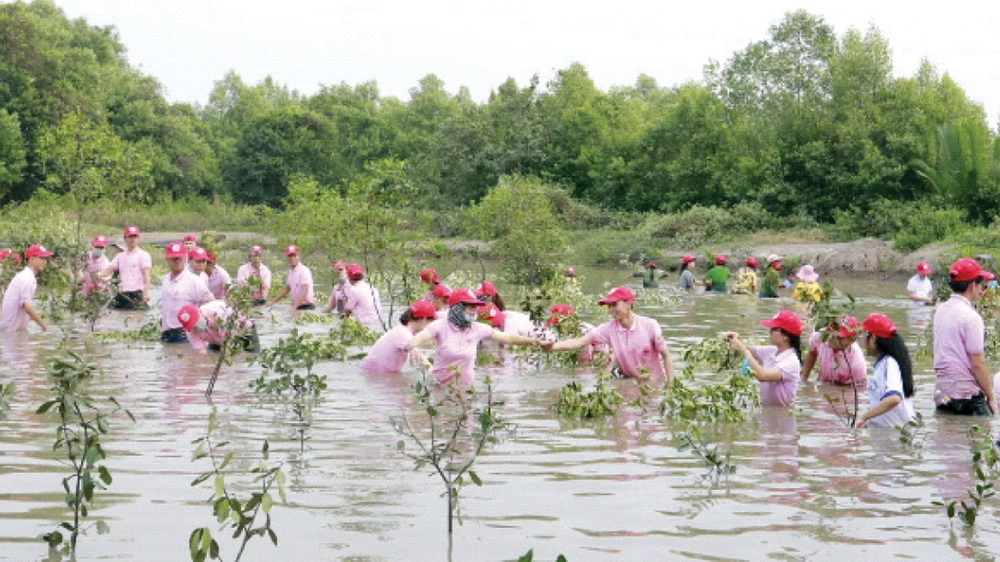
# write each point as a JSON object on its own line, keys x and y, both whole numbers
{"x": 617, "y": 489}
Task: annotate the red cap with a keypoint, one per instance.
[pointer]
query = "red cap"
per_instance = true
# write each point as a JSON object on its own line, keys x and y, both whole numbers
{"x": 559, "y": 311}
{"x": 966, "y": 269}
{"x": 291, "y": 250}
{"x": 256, "y": 250}
{"x": 442, "y": 292}
{"x": 493, "y": 315}
{"x": 176, "y": 250}
{"x": 99, "y": 242}
{"x": 880, "y": 326}
{"x": 488, "y": 288}
{"x": 924, "y": 268}
{"x": 720, "y": 260}
{"x": 751, "y": 262}
{"x": 430, "y": 276}
{"x": 211, "y": 257}
{"x": 570, "y": 272}
{"x": 463, "y": 296}
{"x": 355, "y": 271}
{"x": 689, "y": 258}
{"x": 132, "y": 231}
{"x": 618, "y": 294}
{"x": 188, "y": 316}
{"x": 198, "y": 254}
{"x": 5, "y": 253}
{"x": 787, "y": 321}
{"x": 652, "y": 265}
{"x": 37, "y": 251}
{"x": 849, "y": 327}
{"x": 191, "y": 238}
{"x": 422, "y": 309}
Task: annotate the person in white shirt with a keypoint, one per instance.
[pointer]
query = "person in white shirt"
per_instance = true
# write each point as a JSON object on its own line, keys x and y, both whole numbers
{"x": 18, "y": 301}
{"x": 920, "y": 287}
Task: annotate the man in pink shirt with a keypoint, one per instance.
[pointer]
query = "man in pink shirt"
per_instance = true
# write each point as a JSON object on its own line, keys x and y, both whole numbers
{"x": 96, "y": 263}
{"x": 963, "y": 384}
{"x": 255, "y": 269}
{"x": 180, "y": 288}
{"x": 205, "y": 327}
{"x": 636, "y": 341}
{"x": 218, "y": 278}
{"x": 299, "y": 283}
{"x": 133, "y": 266}
{"x": 198, "y": 263}
{"x": 362, "y": 300}
{"x": 18, "y": 301}
{"x": 389, "y": 353}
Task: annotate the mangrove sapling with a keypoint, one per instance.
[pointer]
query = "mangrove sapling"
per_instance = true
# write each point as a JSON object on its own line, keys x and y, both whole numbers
{"x": 240, "y": 515}
{"x": 912, "y": 434}
{"x": 727, "y": 400}
{"x": 6, "y": 392}
{"x": 81, "y": 424}
{"x": 986, "y": 463}
{"x": 604, "y": 400}
{"x": 238, "y": 330}
{"x": 150, "y": 331}
{"x": 458, "y": 430}
{"x": 848, "y": 416}
{"x": 718, "y": 462}
{"x": 530, "y": 557}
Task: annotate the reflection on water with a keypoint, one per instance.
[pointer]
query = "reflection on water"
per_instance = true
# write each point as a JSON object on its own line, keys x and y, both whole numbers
{"x": 805, "y": 486}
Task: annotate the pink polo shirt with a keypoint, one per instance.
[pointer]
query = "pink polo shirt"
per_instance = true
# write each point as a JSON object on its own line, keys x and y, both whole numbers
{"x": 779, "y": 393}
{"x": 91, "y": 281}
{"x": 186, "y": 288}
{"x": 517, "y": 323}
{"x": 130, "y": 265}
{"x": 840, "y": 367}
{"x": 363, "y": 302}
{"x": 635, "y": 348}
{"x": 455, "y": 351}
{"x": 218, "y": 282}
{"x": 21, "y": 291}
{"x": 215, "y": 314}
{"x": 247, "y": 271}
{"x": 300, "y": 282}
{"x": 388, "y": 354}
{"x": 958, "y": 333}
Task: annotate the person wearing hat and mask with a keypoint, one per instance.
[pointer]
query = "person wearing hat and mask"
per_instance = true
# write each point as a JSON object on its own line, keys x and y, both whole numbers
{"x": 636, "y": 341}
{"x": 299, "y": 282}
{"x": 457, "y": 338}
{"x": 361, "y": 299}
{"x": 206, "y": 329}
{"x": 96, "y": 263}
{"x": 777, "y": 366}
{"x": 487, "y": 292}
{"x": 688, "y": 282}
{"x": 919, "y": 287}
{"x": 890, "y": 390}
{"x": 963, "y": 384}
{"x": 772, "y": 278}
{"x": 19, "y": 299}
{"x": 650, "y": 276}
{"x": 747, "y": 282}
{"x": 256, "y": 270}
{"x": 808, "y": 289}
{"x": 133, "y": 266}
{"x": 218, "y": 278}
{"x": 180, "y": 288}
{"x": 841, "y": 359}
{"x": 389, "y": 353}
{"x": 717, "y": 278}
{"x": 337, "y": 295}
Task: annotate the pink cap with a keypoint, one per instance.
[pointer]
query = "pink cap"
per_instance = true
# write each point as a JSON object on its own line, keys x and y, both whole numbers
{"x": 191, "y": 238}
{"x": 132, "y": 231}
{"x": 488, "y": 288}
{"x": 721, "y": 260}
{"x": 785, "y": 320}
{"x": 430, "y": 276}
{"x": 689, "y": 258}
{"x": 463, "y": 296}
{"x": 751, "y": 262}
{"x": 176, "y": 250}
{"x": 880, "y": 326}
{"x": 211, "y": 257}
{"x": 849, "y": 327}
{"x": 188, "y": 316}
{"x": 292, "y": 250}
{"x": 442, "y": 292}
{"x": 355, "y": 271}
{"x": 422, "y": 309}
{"x": 493, "y": 315}
{"x": 198, "y": 254}
{"x": 256, "y": 250}
{"x": 37, "y": 251}
{"x": 618, "y": 294}
{"x": 924, "y": 268}
{"x": 99, "y": 242}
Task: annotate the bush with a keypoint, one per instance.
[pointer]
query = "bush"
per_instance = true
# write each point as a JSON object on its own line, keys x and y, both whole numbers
{"x": 910, "y": 225}
{"x": 191, "y": 214}
{"x": 699, "y": 225}
{"x": 612, "y": 247}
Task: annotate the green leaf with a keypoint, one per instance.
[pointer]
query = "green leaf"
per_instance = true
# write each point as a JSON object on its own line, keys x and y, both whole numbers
{"x": 105, "y": 475}
{"x": 266, "y": 502}
{"x": 475, "y": 478}
{"x": 102, "y": 527}
{"x": 273, "y": 536}
{"x": 45, "y": 408}
{"x": 201, "y": 478}
{"x": 527, "y": 556}
{"x": 220, "y": 485}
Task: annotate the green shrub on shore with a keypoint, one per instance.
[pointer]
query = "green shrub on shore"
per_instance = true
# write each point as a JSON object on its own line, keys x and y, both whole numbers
{"x": 910, "y": 225}
{"x": 192, "y": 214}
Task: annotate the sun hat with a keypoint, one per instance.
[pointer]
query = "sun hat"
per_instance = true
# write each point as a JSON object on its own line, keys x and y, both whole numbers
{"x": 618, "y": 294}
{"x": 849, "y": 327}
{"x": 422, "y": 309}
{"x": 442, "y": 292}
{"x": 292, "y": 250}
{"x": 559, "y": 311}
{"x": 807, "y": 274}
{"x": 37, "y": 251}
{"x": 188, "y": 316}
{"x": 132, "y": 231}
{"x": 773, "y": 258}
{"x": 493, "y": 315}
{"x": 256, "y": 250}
{"x": 191, "y": 238}
{"x": 721, "y": 260}
{"x": 966, "y": 269}
{"x": 99, "y": 242}
{"x": 430, "y": 276}
{"x": 785, "y": 320}
{"x": 688, "y": 259}
{"x": 176, "y": 250}
{"x": 924, "y": 268}
{"x": 198, "y": 254}
{"x": 463, "y": 296}
{"x": 880, "y": 326}
{"x": 751, "y": 262}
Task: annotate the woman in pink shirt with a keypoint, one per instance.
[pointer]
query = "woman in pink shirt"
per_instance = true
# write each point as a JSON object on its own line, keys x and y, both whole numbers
{"x": 255, "y": 269}
{"x": 509, "y": 321}
{"x": 389, "y": 354}
{"x": 337, "y": 295}
{"x": 205, "y": 327}
{"x": 457, "y": 339}
{"x": 362, "y": 300}
{"x": 487, "y": 292}
{"x": 776, "y": 366}
{"x": 218, "y": 278}
{"x": 97, "y": 262}
{"x": 841, "y": 359}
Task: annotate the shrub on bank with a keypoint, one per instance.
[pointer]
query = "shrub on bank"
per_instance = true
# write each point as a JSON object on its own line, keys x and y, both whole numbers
{"x": 910, "y": 225}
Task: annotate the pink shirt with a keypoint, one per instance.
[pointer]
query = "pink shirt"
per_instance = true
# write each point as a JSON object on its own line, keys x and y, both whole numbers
{"x": 247, "y": 271}
{"x": 779, "y": 393}
{"x": 388, "y": 354}
{"x": 215, "y": 314}
{"x": 363, "y": 302}
{"x": 130, "y": 265}
{"x": 186, "y": 288}
{"x": 958, "y": 333}
{"x": 218, "y": 281}
{"x": 635, "y": 348}
{"x": 91, "y": 281}
{"x": 517, "y": 323}
{"x": 21, "y": 291}
{"x": 455, "y": 351}
{"x": 300, "y": 281}
{"x": 840, "y": 367}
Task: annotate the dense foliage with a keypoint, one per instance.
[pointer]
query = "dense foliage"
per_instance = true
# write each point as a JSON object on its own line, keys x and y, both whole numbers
{"x": 802, "y": 123}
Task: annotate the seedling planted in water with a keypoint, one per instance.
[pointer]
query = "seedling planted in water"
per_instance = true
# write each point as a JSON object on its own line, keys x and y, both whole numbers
{"x": 986, "y": 462}
{"x": 718, "y": 462}
{"x": 604, "y": 400}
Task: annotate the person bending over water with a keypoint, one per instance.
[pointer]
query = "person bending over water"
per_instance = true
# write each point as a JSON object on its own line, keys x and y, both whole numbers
{"x": 776, "y": 366}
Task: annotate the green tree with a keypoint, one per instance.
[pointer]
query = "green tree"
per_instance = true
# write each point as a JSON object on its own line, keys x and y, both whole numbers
{"x": 12, "y": 152}
{"x": 964, "y": 168}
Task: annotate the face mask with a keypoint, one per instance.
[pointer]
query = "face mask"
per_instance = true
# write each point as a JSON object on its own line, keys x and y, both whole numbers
{"x": 97, "y": 252}
{"x": 471, "y": 317}
{"x": 201, "y": 325}
{"x": 343, "y": 279}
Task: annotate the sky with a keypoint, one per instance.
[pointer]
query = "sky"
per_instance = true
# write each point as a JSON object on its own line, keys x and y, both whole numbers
{"x": 304, "y": 44}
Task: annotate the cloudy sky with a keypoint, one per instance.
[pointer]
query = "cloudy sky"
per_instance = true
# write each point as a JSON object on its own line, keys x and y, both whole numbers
{"x": 189, "y": 44}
